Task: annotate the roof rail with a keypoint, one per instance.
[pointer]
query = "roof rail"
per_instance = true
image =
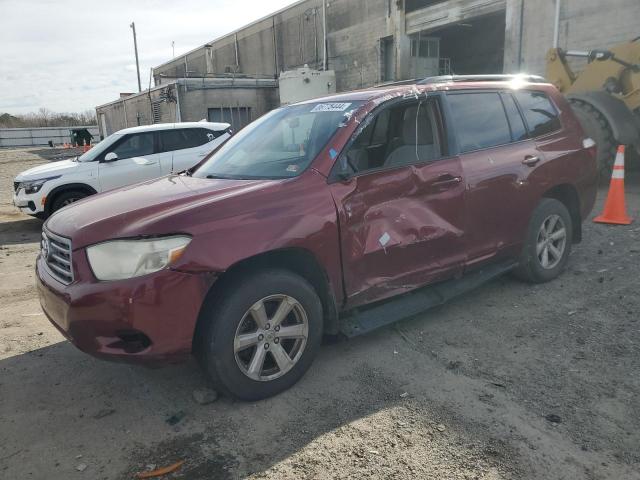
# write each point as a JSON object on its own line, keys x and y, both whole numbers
{"x": 394, "y": 83}
{"x": 482, "y": 78}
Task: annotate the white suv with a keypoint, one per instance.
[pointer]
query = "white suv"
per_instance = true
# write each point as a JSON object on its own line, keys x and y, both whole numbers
{"x": 126, "y": 157}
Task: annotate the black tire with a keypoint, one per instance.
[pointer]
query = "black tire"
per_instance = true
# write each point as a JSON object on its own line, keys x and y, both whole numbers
{"x": 222, "y": 317}
{"x": 530, "y": 268}
{"x": 596, "y": 127}
{"x": 66, "y": 198}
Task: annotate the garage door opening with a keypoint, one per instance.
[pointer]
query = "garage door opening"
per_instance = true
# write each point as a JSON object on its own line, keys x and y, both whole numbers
{"x": 474, "y": 46}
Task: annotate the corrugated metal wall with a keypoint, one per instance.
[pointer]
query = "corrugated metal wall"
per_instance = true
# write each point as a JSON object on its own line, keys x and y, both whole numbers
{"x": 31, "y": 137}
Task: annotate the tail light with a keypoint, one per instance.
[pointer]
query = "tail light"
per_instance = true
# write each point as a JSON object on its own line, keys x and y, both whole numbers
{"x": 590, "y": 146}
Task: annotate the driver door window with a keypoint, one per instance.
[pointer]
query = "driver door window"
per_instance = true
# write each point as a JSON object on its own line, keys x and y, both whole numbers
{"x": 136, "y": 145}
{"x": 398, "y": 136}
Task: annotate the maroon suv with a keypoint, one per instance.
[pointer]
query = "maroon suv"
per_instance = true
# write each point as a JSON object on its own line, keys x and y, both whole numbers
{"x": 338, "y": 214}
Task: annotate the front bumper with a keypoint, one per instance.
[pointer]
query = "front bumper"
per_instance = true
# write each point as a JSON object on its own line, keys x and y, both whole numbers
{"x": 149, "y": 319}
{"x": 29, "y": 204}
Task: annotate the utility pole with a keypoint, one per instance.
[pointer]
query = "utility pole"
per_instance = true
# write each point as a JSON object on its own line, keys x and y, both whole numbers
{"x": 324, "y": 35}
{"x": 135, "y": 46}
{"x": 173, "y": 48}
{"x": 556, "y": 26}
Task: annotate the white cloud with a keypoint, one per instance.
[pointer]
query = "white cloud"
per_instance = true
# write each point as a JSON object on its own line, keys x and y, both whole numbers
{"x": 71, "y": 55}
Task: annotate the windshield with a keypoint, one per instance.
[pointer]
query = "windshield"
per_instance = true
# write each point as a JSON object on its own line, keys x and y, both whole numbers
{"x": 99, "y": 148}
{"x": 281, "y": 144}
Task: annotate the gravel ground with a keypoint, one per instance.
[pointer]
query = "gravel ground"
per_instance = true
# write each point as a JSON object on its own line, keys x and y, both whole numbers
{"x": 508, "y": 382}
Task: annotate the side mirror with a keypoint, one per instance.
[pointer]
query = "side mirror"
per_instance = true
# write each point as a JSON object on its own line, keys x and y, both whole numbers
{"x": 110, "y": 157}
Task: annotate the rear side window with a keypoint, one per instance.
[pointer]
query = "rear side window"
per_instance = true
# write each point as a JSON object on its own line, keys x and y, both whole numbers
{"x": 540, "y": 114}
{"x": 203, "y": 135}
{"x": 213, "y": 134}
{"x": 181, "y": 138}
{"x": 171, "y": 140}
{"x": 479, "y": 120}
{"x": 518, "y": 130}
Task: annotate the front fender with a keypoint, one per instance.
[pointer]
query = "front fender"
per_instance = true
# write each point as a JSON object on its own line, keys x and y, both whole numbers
{"x": 82, "y": 186}
{"x": 298, "y": 214}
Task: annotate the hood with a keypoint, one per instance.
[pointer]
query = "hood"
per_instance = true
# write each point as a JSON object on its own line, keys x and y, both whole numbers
{"x": 158, "y": 207}
{"x": 48, "y": 170}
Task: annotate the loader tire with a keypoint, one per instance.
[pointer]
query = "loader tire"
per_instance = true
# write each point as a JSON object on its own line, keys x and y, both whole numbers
{"x": 597, "y": 128}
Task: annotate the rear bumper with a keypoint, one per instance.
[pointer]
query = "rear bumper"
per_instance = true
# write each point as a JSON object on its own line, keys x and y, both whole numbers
{"x": 149, "y": 319}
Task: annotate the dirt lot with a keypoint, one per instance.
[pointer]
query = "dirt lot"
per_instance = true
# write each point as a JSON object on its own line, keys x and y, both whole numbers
{"x": 508, "y": 382}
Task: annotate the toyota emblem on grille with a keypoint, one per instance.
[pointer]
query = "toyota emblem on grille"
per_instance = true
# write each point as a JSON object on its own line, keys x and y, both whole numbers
{"x": 45, "y": 248}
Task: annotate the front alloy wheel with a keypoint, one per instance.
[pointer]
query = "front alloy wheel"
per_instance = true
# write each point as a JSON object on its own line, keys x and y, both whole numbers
{"x": 271, "y": 337}
{"x": 259, "y": 333}
{"x": 69, "y": 201}
{"x": 65, "y": 199}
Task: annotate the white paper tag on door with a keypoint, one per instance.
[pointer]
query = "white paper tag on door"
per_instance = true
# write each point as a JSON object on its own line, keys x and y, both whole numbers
{"x": 384, "y": 239}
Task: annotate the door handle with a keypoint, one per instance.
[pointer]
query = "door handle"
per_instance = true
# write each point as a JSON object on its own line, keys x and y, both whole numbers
{"x": 144, "y": 161}
{"x": 531, "y": 160}
{"x": 446, "y": 181}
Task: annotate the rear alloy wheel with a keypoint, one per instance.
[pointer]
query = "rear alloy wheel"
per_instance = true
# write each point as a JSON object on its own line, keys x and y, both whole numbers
{"x": 548, "y": 243}
{"x": 552, "y": 241}
{"x": 259, "y": 333}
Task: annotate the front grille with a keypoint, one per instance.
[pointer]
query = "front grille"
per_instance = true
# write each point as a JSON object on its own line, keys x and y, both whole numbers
{"x": 56, "y": 252}
{"x": 15, "y": 186}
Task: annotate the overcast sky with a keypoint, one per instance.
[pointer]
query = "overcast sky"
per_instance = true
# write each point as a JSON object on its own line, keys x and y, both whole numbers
{"x": 71, "y": 55}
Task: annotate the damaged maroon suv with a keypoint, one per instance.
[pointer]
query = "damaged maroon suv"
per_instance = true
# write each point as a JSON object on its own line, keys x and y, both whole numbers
{"x": 336, "y": 215}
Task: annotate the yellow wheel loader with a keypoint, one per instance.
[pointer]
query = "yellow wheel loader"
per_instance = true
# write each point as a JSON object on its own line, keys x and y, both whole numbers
{"x": 605, "y": 95}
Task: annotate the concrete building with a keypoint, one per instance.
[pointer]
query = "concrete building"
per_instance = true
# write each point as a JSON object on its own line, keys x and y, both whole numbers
{"x": 368, "y": 42}
{"x": 237, "y": 101}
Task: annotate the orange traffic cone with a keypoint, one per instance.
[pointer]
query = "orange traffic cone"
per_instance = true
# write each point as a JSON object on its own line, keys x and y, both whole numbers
{"x": 615, "y": 211}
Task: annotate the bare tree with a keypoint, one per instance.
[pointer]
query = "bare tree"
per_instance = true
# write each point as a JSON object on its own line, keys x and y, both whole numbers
{"x": 44, "y": 115}
{"x": 47, "y": 118}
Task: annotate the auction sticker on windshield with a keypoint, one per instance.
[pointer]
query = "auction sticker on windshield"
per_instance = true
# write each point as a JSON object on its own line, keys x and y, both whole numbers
{"x": 330, "y": 107}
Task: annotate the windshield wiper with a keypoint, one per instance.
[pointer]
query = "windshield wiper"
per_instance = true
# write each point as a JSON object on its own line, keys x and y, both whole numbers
{"x": 215, "y": 177}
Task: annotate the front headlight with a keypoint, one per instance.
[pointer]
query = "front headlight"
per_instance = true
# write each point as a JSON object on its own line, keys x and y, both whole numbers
{"x": 120, "y": 259}
{"x": 34, "y": 186}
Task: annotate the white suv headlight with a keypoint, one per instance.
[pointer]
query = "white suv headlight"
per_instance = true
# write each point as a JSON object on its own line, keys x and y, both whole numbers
{"x": 34, "y": 186}
{"x": 120, "y": 259}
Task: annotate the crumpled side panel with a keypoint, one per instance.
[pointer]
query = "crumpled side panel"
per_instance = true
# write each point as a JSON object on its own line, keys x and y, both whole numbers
{"x": 397, "y": 232}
